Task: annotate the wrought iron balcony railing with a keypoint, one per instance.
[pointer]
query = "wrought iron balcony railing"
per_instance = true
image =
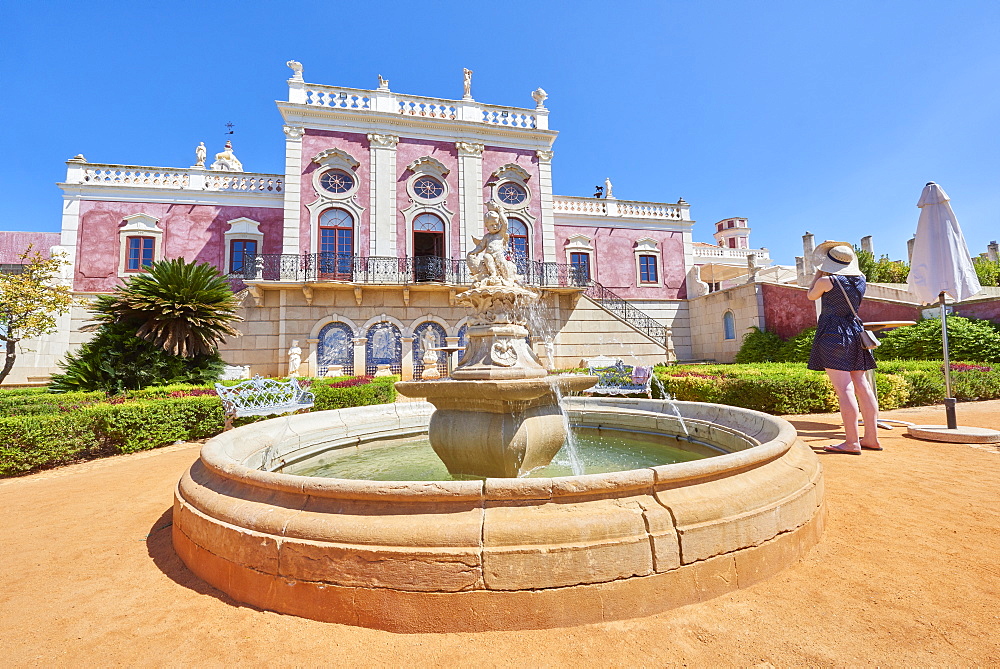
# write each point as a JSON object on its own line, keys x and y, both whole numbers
{"x": 378, "y": 270}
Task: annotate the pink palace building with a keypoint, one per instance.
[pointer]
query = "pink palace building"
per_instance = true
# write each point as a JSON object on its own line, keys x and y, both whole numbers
{"x": 357, "y": 250}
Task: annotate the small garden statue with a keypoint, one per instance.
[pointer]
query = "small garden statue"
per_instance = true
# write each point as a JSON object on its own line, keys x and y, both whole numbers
{"x": 294, "y": 359}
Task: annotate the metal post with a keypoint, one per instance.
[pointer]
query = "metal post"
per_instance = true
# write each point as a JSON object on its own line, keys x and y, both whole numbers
{"x": 949, "y": 401}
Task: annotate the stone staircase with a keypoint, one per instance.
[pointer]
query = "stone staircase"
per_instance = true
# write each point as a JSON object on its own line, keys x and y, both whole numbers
{"x": 628, "y": 313}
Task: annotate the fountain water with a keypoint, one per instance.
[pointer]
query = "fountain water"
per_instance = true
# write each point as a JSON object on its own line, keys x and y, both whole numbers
{"x": 499, "y": 552}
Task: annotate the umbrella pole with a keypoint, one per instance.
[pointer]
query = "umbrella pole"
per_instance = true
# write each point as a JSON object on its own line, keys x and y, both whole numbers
{"x": 949, "y": 401}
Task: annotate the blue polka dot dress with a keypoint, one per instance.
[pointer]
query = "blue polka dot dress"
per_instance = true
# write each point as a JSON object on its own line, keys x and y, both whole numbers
{"x": 838, "y": 333}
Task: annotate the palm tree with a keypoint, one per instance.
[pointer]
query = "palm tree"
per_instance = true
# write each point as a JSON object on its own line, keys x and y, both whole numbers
{"x": 187, "y": 309}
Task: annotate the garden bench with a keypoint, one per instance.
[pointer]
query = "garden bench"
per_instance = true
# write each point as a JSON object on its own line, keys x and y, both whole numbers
{"x": 262, "y": 397}
{"x": 622, "y": 379}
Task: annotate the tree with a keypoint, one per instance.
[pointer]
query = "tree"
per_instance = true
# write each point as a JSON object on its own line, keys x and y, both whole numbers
{"x": 31, "y": 301}
{"x": 881, "y": 270}
{"x": 187, "y": 309}
{"x": 987, "y": 270}
{"x": 162, "y": 326}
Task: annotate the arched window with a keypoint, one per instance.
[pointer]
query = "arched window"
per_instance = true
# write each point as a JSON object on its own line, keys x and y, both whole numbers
{"x": 335, "y": 347}
{"x": 428, "y": 247}
{"x": 422, "y": 332}
{"x": 517, "y": 230}
{"x": 384, "y": 347}
{"x": 336, "y": 245}
{"x": 729, "y": 325}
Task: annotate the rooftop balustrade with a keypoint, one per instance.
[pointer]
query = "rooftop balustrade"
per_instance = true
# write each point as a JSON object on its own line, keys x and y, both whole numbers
{"x": 174, "y": 178}
{"x": 610, "y": 207}
{"x": 385, "y": 101}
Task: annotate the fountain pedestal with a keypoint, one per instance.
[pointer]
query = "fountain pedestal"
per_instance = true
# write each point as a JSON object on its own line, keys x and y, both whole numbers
{"x": 496, "y": 428}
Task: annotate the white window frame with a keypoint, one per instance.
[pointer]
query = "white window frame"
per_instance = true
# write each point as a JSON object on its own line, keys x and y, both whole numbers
{"x": 647, "y": 246}
{"x": 242, "y": 229}
{"x": 138, "y": 225}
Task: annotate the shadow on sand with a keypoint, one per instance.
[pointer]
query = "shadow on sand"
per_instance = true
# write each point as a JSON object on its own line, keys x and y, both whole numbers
{"x": 160, "y": 547}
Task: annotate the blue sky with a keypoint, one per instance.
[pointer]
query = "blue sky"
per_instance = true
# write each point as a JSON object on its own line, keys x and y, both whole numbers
{"x": 804, "y": 115}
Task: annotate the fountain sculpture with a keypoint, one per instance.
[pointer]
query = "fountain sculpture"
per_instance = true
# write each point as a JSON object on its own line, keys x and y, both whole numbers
{"x": 498, "y": 414}
{"x": 500, "y": 552}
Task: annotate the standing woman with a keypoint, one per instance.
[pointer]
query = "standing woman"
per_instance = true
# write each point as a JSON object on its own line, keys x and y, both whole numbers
{"x": 838, "y": 347}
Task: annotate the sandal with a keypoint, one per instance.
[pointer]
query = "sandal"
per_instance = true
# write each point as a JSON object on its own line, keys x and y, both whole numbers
{"x": 837, "y": 449}
{"x": 872, "y": 448}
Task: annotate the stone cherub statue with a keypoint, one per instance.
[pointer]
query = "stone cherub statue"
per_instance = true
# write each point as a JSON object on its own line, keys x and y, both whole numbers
{"x": 199, "y": 153}
{"x": 488, "y": 260}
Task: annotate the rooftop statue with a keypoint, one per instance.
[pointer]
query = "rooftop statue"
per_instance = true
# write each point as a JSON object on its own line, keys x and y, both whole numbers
{"x": 296, "y": 68}
{"x": 200, "y": 154}
{"x": 226, "y": 161}
{"x": 467, "y": 83}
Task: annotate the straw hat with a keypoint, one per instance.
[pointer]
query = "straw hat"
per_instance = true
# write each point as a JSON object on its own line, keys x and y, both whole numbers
{"x": 836, "y": 258}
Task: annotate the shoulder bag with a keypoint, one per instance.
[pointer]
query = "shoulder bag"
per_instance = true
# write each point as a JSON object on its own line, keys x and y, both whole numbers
{"x": 868, "y": 338}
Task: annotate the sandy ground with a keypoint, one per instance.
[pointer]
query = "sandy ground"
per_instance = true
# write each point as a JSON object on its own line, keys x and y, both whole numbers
{"x": 906, "y": 574}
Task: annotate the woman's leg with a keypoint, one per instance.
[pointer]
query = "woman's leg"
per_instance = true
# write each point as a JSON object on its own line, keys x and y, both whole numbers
{"x": 843, "y": 384}
{"x": 869, "y": 408}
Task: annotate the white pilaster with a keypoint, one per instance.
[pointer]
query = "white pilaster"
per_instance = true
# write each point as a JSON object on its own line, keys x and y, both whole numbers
{"x": 382, "y": 194}
{"x": 545, "y": 195}
{"x": 293, "y": 190}
{"x": 470, "y": 191}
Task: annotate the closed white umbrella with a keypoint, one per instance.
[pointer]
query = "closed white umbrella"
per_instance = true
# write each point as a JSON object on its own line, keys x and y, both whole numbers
{"x": 941, "y": 265}
{"x": 940, "y": 262}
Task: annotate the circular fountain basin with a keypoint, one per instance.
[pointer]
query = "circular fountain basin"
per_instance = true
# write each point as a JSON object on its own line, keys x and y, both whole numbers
{"x": 498, "y": 553}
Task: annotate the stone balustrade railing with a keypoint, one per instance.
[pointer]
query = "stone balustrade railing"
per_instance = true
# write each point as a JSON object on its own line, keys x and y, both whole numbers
{"x": 726, "y": 253}
{"x": 384, "y": 100}
{"x": 611, "y": 207}
{"x": 190, "y": 178}
{"x": 126, "y": 175}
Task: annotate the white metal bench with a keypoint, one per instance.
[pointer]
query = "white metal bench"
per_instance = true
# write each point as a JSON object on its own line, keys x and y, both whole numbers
{"x": 622, "y": 379}
{"x": 262, "y": 397}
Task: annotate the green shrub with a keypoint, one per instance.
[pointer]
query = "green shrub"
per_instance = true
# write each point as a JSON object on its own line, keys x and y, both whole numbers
{"x": 53, "y": 429}
{"x": 968, "y": 339}
{"x": 759, "y": 346}
{"x": 988, "y": 271}
{"x": 361, "y": 391}
{"x": 116, "y": 360}
{"x": 789, "y": 388}
{"x": 797, "y": 348}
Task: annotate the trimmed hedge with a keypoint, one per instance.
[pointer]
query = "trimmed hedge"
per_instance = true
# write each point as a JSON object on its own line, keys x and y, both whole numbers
{"x": 40, "y": 430}
{"x": 790, "y": 388}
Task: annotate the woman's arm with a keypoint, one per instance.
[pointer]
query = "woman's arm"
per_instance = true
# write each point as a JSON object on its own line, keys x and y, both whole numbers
{"x": 820, "y": 284}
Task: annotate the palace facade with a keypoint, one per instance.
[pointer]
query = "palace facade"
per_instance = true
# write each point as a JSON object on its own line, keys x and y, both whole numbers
{"x": 357, "y": 250}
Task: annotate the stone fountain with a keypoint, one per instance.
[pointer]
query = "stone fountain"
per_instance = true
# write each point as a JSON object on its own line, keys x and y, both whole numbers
{"x": 500, "y": 553}
{"x": 498, "y": 414}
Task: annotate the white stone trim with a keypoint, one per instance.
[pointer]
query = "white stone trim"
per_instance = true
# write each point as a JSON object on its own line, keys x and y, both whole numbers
{"x": 290, "y": 237}
{"x": 322, "y": 204}
{"x": 139, "y": 225}
{"x": 470, "y": 190}
{"x": 546, "y": 199}
{"x": 333, "y": 318}
{"x": 427, "y": 166}
{"x": 441, "y": 211}
{"x": 581, "y": 244}
{"x": 382, "y": 194}
{"x": 384, "y": 318}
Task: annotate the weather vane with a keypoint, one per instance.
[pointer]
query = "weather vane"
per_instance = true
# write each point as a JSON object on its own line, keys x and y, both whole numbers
{"x": 230, "y": 126}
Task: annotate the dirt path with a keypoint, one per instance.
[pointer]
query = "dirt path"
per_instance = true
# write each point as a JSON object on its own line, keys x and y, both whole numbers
{"x": 906, "y": 574}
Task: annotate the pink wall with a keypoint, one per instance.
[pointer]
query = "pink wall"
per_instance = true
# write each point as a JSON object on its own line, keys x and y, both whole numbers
{"x": 787, "y": 310}
{"x": 613, "y": 262}
{"x": 495, "y": 157}
{"x": 355, "y": 144}
{"x": 13, "y": 244}
{"x": 407, "y": 151}
{"x": 989, "y": 309}
{"x": 192, "y": 232}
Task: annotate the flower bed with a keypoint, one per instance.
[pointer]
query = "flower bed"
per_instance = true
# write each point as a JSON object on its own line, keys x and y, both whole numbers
{"x": 41, "y": 429}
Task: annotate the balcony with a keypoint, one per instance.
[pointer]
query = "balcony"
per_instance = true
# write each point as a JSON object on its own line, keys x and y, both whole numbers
{"x": 388, "y": 271}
